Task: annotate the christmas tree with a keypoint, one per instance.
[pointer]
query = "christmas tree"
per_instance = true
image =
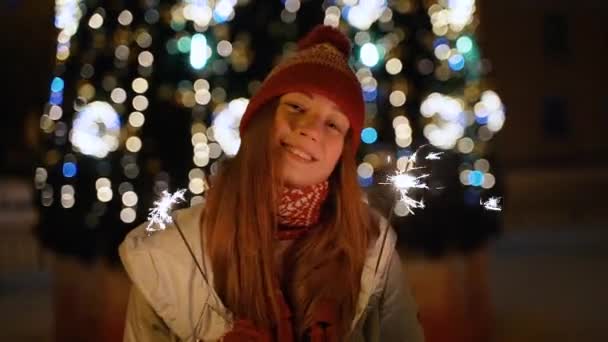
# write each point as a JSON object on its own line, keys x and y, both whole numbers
{"x": 146, "y": 96}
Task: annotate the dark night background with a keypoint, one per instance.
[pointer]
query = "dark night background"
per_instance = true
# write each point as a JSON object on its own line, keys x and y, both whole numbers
{"x": 537, "y": 269}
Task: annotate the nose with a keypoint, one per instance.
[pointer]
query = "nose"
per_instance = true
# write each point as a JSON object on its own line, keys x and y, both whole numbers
{"x": 309, "y": 126}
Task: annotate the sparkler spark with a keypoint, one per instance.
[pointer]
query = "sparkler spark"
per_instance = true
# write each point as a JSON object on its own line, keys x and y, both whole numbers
{"x": 160, "y": 216}
{"x": 403, "y": 181}
{"x": 433, "y": 156}
{"x": 493, "y": 203}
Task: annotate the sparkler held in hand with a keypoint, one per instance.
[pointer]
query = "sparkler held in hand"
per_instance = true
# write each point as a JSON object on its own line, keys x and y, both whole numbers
{"x": 161, "y": 215}
{"x": 403, "y": 181}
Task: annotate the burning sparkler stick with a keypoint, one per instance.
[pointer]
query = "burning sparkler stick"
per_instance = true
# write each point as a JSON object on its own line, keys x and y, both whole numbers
{"x": 493, "y": 203}
{"x": 403, "y": 181}
{"x": 161, "y": 215}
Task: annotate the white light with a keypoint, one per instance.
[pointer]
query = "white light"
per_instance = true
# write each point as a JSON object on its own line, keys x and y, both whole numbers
{"x": 133, "y": 144}
{"x": 365, "y": 13}
{"x": 55, "y": 112}
{"x": 129, "y": 198}
{"x": 96, "y": 21}
{"x": 401, "y": 209}
{"x": 369, "y": 55}
{"x": 104, "y": 194}
{"x": 225, "y": 126}
{"x": 140, "y": 103}
{"x": 128, "y": 215}
{"x": 202, "y": 96}
{"x": 198, "y": 51}
{"x": 201, "y": 84}
{"x": 139, "y": 85}
{"x": 399, "y": 120}
{"x": 196, "y": 186}
{"x": 125, "y": 18}
{"x": 442, "y": 52}
{"x": 102, "y": 183}
{"x": 96, "y": 129}
{"x": 224, "y": 48}
{"x": 466, "y": 145}
{"x": 118, "y": 95}
{"x": 67, "y": 200}
{"x": 136, "y": 119}
{"x": 403, "y": 131}
{"x": 403, "y": 142}
{"x": 292, "y": 5}
{"x": 496, "y": 120}
{"x": 394, "y": 66}
{"x": 196, "y": 173}
{"x": 397, "y": 98}
{"x": 145, "y": 58}
{"x": 198, "y": 138}
{"x": 464, "y": 177}
{"x": 488, "y": 181}
{"x": 365, "y": 170}
{"x": 215, "y": 150}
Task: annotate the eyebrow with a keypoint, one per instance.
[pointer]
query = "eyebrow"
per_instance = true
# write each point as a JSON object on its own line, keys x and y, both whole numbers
{"x": 309, "y": 95}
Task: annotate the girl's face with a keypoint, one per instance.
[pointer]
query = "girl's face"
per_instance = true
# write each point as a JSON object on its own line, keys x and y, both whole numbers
{"x": 309, "y": 133}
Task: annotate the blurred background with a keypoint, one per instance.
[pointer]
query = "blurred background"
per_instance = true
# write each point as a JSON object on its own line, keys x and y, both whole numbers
{"x": 108, "y": 103}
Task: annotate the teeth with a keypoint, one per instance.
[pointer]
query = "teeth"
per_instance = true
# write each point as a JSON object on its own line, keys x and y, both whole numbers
{"x": 299, "y": 153}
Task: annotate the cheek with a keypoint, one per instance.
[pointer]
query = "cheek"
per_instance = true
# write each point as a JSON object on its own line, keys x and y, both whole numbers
{"x": 334, "y": 152}
{"x": 280, "y": 128}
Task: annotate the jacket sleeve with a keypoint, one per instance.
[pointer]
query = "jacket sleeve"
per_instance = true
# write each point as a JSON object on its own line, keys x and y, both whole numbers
{"x": 142, "y": 322}
{"x": 398, "y": 310}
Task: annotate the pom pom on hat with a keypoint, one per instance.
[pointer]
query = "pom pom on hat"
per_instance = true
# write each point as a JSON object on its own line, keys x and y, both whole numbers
{"x": 326, "y": 34}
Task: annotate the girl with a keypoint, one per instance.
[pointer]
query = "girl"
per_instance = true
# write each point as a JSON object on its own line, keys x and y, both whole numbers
{"x": 284, "y": 249}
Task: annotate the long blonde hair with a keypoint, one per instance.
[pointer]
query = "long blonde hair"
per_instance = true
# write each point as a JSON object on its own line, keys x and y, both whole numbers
{"x": 239, "y": 227}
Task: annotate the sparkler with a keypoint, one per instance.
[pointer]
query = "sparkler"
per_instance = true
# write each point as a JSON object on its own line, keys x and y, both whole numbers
{"x": 403, "y": 181}
{"x": 493, "y": 203}
{"x": 160, "y": 215}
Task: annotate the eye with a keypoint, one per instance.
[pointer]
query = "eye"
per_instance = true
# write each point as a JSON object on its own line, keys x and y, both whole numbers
{"x": 294, "y": 107}
{"x": 334, "y": 126}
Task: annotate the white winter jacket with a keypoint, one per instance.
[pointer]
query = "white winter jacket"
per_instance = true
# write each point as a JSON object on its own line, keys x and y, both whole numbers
{"x": 170, "y": 301}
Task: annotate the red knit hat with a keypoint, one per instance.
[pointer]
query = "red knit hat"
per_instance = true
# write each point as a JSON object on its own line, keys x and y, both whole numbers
{"x": 319, "y": 66}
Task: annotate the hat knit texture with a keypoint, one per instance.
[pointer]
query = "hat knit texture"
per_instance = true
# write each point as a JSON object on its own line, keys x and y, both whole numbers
{"x": 319, "y": 66}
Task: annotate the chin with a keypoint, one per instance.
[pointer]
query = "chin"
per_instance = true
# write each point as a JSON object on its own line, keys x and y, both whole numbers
{"x": 294, "y": 182}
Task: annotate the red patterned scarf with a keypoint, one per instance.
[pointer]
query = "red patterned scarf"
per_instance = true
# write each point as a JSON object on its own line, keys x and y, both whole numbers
{"x": 301, "y": 207}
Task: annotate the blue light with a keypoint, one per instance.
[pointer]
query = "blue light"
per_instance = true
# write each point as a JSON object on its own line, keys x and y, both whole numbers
{"x": 369, "y": 135}
{"x": 471, "y": 197}
{"x": 57, "y": 85}
{"x": 345, "y": 11}
{"x": 482, "y": 120}
{"x": 69, "y": 169}
{"x": 370, "y": 96}
{"x": 218, "y": 17}
{"x": 476, "y": 178}
{"x": 404, "y": 152}
{"x": 365, "y": 182}
{"x": 456, "y": 62}
{"x": 440, "y": 41}
{"x": 56, "y": 98}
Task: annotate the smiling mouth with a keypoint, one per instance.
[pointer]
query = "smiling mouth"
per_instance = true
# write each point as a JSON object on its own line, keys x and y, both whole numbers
{"x": 298, "y": 153}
